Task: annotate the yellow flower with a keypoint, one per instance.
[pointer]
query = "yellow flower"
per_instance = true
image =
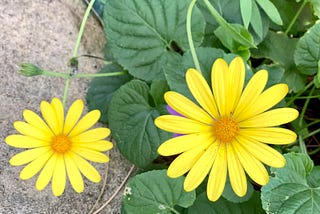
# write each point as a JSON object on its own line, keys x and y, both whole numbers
{"x": 227, "y": 133}
{"x": 59, "y": 146}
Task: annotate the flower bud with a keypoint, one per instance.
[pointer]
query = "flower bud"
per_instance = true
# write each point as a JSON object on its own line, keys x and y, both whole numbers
{"x": 29, "y": 70}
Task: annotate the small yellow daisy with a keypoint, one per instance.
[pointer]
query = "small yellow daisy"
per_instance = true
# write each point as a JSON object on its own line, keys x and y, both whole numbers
{"x": 59, "y": 146}
{"x": 228, "y": 131}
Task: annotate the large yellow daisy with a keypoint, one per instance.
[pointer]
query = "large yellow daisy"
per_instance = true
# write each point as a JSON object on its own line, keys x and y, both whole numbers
{"x": 227, "y": 131}
{"x": 59, "y": 146}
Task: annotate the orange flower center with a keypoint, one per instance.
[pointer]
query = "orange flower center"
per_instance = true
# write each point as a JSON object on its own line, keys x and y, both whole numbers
{"x": 61, "y": 144}
{"x": 226, "y": 129}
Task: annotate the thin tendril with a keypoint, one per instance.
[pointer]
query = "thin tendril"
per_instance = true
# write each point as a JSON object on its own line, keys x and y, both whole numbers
{"x": 189, "y": 34}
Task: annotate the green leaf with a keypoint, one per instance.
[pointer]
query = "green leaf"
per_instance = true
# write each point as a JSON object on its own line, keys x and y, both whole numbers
{"x": 246, "y": 11}
{"x": 288, "y": 9}
{"x": 101, "y": 90}
{"x": 275, "y": 74}
{"x": 314, "y": 177}
{"x": 157, "y": 90}
{"x": 229, "y": 194}
{"x": 155, "y": 192}
{"x": 272, "y": 12}
{"x": 291, "y": 190}
{"x": 144, "y": 32}
{"x": 98, "y": 6}
{"x": 131, "y": 120}
{"x": 256, "y": 20}
{"x": 203, "y": 205}
{"x": 230, "y": 29}
{"x": 280, "y": 48}
{"x": 230, "y": 10}
{"x": 228, "y": 41}
{"x": 307, "y": 53}
{"x": 176, "y": 68}
{"x": 316, "y": 79}
{"x": 316, "y": 7}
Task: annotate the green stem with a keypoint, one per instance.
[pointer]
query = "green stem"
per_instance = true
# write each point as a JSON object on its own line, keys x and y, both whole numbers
{"x": 314, "y": 151}
{"x": 307, "y": 97}
{"x": 312, "y": 123}
{"x": 302, "y": 145}
{"x": 56, "y": 74}
{"x": 83, "y": 23}
{"x": 100, "y": 74}
{"x": 298, "y": 94}
{"x": 304, "y": 109}
{"x": 295, "y": 17}
{"x": 75, "y": 50}
{"x": 67, "y": 75}
{"x": 173, "y": 210}
{"x": 189, "y": 34}
{"x": 65, "y": 92}
{"x": 311, "y": 134}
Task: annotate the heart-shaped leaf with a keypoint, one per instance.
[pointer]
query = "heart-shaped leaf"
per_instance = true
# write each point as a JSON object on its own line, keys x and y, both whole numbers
{"x": 294, "y": 188}
{"x": 155, "y": 192}
{"x": 144, "y": 32}
{"x": 307, "y": 53}
{"x": 131, "y": 120}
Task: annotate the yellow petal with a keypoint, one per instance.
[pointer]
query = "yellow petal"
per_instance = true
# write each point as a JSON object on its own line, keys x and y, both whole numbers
{"x": 274, "y": 117}
{"x": 21, "y": 141}
{"x": 28, "y": 155}
{"x": 35, "y": 166}
{"x": 201, "y": 92}
{"x": 201, "y": 168}
{"x": 186, "y": 160}
{"x": 101, "y": 145}
{"x": 218, "y": 174}
{"x": 59, "y": 112}
{"x": 91, "y": 135}
{"x": 31, "y": 131}
{"x": 277, "y": 136}
{"x": 74, "y": 174}
{"x": 236, "y": 173}
{"x": 262, "y": 152}
{"x": 265, "y": 101}
{"x": 181, "y": 125}
{"x": 219, "y": 75}
{"x": 86, "y": 168}
{"x": 73, "y": 116}
{"x": 252, "y": 91}
{"x": 91, "y": 155}
{"x": 36, "y": 121}
{"x": 184, "y": 143}
{"x": 59, "y": 176}
{"x": 85, "y": 123}
{"x": 251, "y": 165}
{"x": 46, "y": 173}
{"x": 235, "y": 82}
{"x": 49, "y": 115}
{"x": 186, "y": 107}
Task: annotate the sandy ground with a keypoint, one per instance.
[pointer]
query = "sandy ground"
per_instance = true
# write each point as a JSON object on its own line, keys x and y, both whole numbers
{"x": 44, "y": 32}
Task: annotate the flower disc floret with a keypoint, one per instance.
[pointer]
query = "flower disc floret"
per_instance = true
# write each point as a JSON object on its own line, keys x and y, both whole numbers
{"x": 226, "y": 129}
